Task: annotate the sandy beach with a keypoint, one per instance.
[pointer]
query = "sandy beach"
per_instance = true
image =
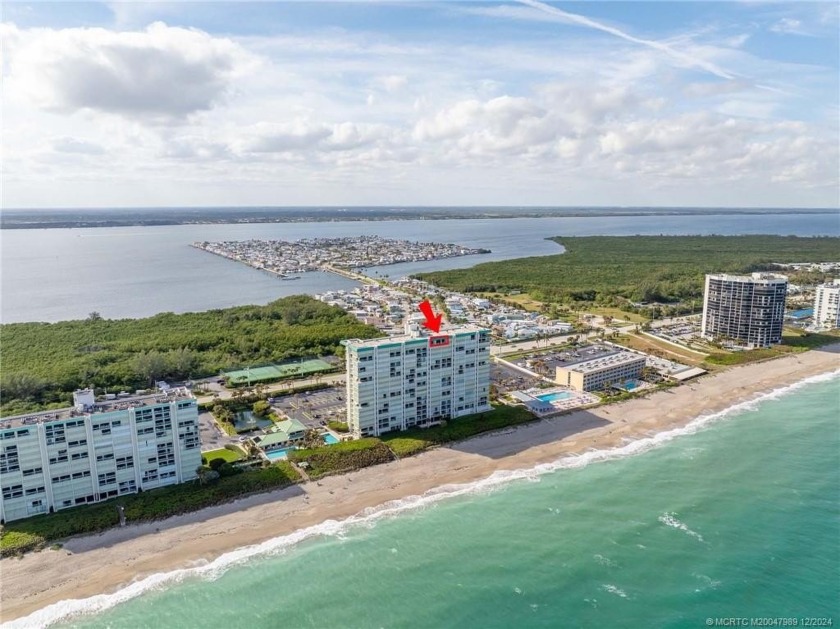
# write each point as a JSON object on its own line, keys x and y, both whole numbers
{"x": 102, "y": 563}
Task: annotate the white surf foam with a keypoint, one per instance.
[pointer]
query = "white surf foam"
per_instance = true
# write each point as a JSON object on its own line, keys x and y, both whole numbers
{"x": 612, "y": 589}
{"x": 63, "y": 610}
{"x": 670, "y": 519}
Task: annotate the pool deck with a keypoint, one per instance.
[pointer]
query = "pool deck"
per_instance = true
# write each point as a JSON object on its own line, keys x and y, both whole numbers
{"x": 538, "y": 406}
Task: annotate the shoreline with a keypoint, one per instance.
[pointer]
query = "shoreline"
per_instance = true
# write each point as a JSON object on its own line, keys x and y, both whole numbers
{"x": 106, "y": 562}
{"x": 23, "y": 218}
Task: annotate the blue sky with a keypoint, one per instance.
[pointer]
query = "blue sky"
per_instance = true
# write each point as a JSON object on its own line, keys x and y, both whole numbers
{"x": 413, "y": 103}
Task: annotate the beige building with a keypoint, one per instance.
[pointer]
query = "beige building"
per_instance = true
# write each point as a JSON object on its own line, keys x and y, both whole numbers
{"x": 600, "y": 372}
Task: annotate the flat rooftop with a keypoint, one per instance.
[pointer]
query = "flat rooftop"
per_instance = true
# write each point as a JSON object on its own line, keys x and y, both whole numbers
{"x": 105, "y": 406}
{"x": 446, "y": 330}
{"x": 755, "y": 277}
{"x": 605, "y": 360}
{"x": 579, "y": 355}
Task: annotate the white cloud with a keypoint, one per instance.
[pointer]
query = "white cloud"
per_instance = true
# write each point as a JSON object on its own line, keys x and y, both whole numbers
{"x": 344, "y": 117}
{"x": 75, "y": 145}
{"x": 788, "y": 26}
{"x": 159, "y": 74}
{"x": 391, "y": 82}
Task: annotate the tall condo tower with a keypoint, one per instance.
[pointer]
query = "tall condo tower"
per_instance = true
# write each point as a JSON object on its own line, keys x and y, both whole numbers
{"x": 416, "y": 379}
{"x": 747, "y": 309}
{"x": 827, "y": 306}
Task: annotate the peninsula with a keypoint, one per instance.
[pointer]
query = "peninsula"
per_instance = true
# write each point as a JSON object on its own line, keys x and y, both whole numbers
{"x": 283, "y": 257}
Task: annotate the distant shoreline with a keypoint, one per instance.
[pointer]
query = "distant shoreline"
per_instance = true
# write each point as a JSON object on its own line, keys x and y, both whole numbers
{"x": 96, "y": 564}
{"x": 161, "y": 217}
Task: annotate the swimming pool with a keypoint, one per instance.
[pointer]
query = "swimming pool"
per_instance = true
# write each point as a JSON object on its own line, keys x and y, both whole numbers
{"x": 329, "y": 439}
{"x": 551, "y": 397}
{"x": 279, "y": 455}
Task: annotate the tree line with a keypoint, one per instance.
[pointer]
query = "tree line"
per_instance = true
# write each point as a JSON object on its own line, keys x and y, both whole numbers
{"x": 44, "y": 362}
{"x": 615, "y": 270}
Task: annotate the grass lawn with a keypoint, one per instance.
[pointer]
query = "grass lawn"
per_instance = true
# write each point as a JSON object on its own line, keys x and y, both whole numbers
{"x": 658, "y": 348}
{"x": 616, "y": 313}
{"x": 222, "y": 453}
{"x": 523, "y": 300}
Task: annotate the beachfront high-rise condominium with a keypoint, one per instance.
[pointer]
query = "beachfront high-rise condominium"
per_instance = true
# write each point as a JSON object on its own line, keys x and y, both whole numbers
{"x": 96, "y": 450}
{"x": 827, "y": 306}
{"x": 746, "y": 309}
{"x": 417, "y": 379}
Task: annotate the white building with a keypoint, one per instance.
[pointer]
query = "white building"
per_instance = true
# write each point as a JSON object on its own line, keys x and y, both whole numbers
{"x": 746, "y": 309}
{"x": 416, "y": 379}
{"x": 827, "y": 306}
{"x": 94, "y": 451}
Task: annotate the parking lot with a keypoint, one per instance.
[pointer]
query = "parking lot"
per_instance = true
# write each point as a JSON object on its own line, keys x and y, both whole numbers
{"x": 507, "y": 379}
{"x": 679, "y": 330}
{"x": 212, "y": 436}
{"x": 314, "y": 408}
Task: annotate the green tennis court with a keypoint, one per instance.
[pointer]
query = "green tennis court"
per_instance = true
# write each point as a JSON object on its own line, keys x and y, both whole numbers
{"x": 277, "y": 372}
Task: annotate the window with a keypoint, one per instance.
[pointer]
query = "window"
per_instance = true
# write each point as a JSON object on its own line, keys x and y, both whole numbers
{"x": 14, "y": 491}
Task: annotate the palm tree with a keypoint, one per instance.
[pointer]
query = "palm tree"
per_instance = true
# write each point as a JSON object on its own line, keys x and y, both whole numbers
{"x": 312, "y": 439}
{"x": 206, "y": 475}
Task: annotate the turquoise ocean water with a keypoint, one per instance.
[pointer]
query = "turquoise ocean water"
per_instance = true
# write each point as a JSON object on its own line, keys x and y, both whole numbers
{"x": 737, "y": 516}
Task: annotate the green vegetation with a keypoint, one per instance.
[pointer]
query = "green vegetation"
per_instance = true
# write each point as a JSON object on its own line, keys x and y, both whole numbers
{"x": 227, "y": 483}
{"x": 413, "y": 441}
{"x": 608, "y": 270}
{"x": 342, "y": 457}
{"x": 656, "y": 347}
{"x": 33, "y": 533}
{"x": 338, "y": 426}
{"x": 222, "y": 453}
{"x": 799, "y": 340}
{"x": 261, "y": 408}
{"x": 793, "y": 341}
{"x": 44, "y": 362}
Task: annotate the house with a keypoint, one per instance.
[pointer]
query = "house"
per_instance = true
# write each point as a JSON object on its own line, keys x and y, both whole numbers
{"x": 284, "y": 433}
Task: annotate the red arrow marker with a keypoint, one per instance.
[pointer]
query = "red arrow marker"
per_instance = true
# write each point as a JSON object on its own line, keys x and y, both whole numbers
{"x": 432, "y": 322}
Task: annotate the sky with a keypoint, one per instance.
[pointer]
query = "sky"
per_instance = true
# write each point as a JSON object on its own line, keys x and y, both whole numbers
{"x": 389, "y": 103}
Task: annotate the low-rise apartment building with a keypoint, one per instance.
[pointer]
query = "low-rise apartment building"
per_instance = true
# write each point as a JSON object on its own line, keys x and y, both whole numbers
{"x": 605, "y": 368}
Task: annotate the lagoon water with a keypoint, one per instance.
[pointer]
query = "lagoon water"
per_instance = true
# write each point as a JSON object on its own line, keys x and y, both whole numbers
{"x": 735, "y": 517}
{"x": 59, "y": 274}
